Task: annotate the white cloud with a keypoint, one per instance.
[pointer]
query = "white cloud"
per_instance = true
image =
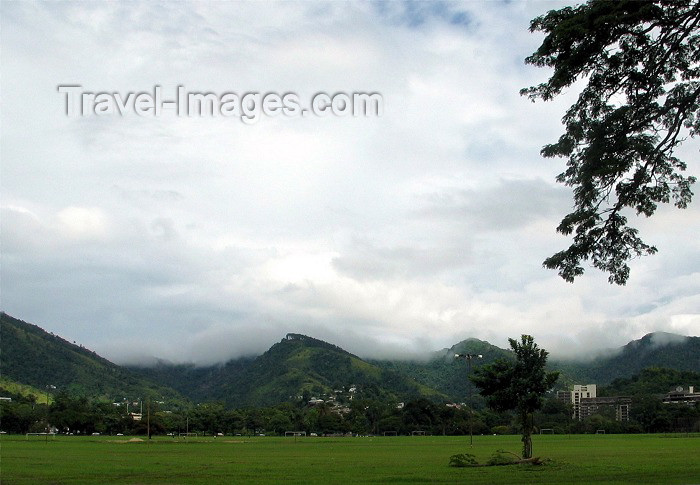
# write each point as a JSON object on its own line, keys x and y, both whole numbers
{"x": 205, "y": 238}
{"x": 83, "y": 222}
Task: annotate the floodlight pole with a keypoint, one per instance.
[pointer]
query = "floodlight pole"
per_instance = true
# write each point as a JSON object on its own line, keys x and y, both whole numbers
{"x": 468, "y": 358}
{"x": 48, "y": 386}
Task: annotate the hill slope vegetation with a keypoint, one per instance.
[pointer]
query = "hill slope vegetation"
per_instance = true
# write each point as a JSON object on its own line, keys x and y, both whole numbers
{"x": 296, "y": 368}
{"x": 33, "y": 357}
{"x": 300, "y": 367}
{"x": 659, "y": 349}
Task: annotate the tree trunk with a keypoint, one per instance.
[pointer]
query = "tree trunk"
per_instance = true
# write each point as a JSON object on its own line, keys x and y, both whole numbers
{"x": 526, "y": 419}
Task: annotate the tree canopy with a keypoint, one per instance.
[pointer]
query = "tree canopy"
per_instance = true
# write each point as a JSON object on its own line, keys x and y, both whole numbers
{"x": 639, "y": 62}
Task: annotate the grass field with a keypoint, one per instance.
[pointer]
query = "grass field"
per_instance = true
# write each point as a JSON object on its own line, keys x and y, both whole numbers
{"x": 424, "y": 459}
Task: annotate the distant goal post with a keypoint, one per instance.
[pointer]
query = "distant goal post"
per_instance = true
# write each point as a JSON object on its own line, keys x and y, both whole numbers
{"x": 600, "y": 431}
{"x": 391, "y": 433}
{"x": 547, "y": 431}
{"x": 295, "y": 433}
{"x": 39, "y": 435}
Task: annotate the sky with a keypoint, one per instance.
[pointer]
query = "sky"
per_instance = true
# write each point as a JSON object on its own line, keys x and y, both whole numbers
{"x": 204, "y": 238}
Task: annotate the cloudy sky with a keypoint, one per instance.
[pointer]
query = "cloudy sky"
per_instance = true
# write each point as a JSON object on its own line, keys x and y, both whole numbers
{"x": 205, "y": 238}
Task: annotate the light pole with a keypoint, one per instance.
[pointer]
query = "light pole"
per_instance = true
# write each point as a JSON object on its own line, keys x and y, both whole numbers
{"x": 468, "y": 358}
{"x": 48, "y": 387}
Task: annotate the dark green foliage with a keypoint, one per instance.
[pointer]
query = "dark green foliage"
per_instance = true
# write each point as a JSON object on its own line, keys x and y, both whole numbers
{"x": 555, "y": 415}
{"x": 302, "y": 368}
{"x": 653, "y": 416}
{"x": 34, "y": 357}
{"x": 441, "y": 372}
{"x": 294, "y": 369}
{"x": 654, "y": 381}
{"x": 640, "y": 61}
{"x": 501, "y": 457}
{"x": 501, "y": 429}
{"x": 517, "y": 385}
{"x": 659, "y": 349}
{"x": 420, "y": 414}
{"x": 21, "y": 415}
{"x": 463, "y": 460}
{"x": 197, "y": 383}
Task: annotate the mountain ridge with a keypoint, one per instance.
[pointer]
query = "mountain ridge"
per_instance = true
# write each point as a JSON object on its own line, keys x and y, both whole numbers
{"x": 673, "y": 351}
{"x": 299, "y": 367}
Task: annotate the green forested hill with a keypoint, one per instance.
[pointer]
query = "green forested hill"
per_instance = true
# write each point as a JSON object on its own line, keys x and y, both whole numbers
{"x": 298, "y": 367}
{"x": 31, "y": 356}
{"x": 199, "y": 384}
{"x": 445, "y": 373}
{"x": 657, "y": 349}
{"x": 651, "y": 381}
{"x": 301, "y": 367}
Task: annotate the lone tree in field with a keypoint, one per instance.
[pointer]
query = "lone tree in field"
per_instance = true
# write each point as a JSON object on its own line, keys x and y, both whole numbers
{"x": 639, "y": 61}
{"x": 518, "y": 384}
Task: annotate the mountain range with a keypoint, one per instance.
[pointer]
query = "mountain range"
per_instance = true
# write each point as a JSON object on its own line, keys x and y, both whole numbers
{"x": 300, "y": 367}
{"x": 297, "y": 367}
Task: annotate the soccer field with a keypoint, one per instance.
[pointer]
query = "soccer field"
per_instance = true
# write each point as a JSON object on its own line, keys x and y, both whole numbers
{"x": 574, "y": 458}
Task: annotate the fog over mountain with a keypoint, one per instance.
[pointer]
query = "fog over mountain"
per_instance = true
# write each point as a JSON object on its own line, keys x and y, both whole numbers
{"x": 297, "y": 364}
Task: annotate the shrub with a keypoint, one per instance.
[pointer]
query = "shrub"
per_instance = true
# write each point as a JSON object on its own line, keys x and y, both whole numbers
{"x": 463, "y": 460}
{"x": 501, "y": 430}
{"x": 500, "y": 458}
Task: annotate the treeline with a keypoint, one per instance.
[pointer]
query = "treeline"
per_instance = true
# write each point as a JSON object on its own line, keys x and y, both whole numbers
{"x": 79, "y": 415}
{"x": 648, "y": 414}
{"x": 652, "y": 381}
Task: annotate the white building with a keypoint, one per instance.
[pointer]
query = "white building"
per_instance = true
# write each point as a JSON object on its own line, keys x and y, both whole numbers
{"x": 574, "y": 397}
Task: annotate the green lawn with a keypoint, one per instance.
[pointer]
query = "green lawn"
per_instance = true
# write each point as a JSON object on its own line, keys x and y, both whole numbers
{"x": 575, "y": 458}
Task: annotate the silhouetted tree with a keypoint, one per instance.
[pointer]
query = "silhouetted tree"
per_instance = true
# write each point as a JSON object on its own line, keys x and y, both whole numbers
{"x": 639, "y": 60}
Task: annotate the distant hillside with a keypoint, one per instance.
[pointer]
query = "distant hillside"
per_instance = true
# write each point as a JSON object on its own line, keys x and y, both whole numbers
{"x": 12, "y": 389}
{"x": 296, "y": 367}
{"x": 198, "y": 384}
{"x": 651, "y": 381}
{"x": 300, "y": 367}
{"x": 33, "y": 357}
{"x": 658, "y": 349}
{"x": 654, "y": 350}
{"x": 445, "y": 373}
